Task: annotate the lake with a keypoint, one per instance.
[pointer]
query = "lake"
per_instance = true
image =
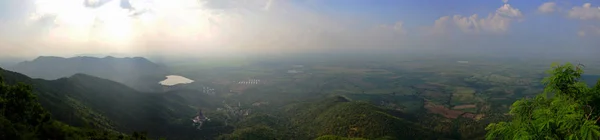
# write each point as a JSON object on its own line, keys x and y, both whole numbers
{"x": 174, "y": 80}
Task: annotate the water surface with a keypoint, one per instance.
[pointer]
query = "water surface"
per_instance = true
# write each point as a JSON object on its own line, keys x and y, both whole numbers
{"x": 174, "y": 80}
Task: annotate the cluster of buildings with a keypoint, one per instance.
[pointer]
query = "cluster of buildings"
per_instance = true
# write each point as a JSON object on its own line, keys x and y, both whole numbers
{"x": 250, "y": 82}
{"x": 208, "y": 90}
{"x": 199, "y": 120}
{"x": 296, "y": 69}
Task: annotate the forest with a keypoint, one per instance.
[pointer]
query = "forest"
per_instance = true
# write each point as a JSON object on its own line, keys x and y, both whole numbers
{"x": 299, "y": 70}
{"x": 71, "y": 108}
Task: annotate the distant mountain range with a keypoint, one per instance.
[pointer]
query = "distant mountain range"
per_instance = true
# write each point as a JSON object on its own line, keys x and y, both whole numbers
{"x": 135, "y": 72}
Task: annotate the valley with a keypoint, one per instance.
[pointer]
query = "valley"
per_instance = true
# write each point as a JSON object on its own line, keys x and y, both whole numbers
{"x": 294, "y": 98}
{"x": 299, "y": 70}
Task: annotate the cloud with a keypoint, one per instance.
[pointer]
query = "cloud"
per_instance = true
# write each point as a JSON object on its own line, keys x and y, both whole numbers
{"x": 585, "y": 12}
{"x": 396, "y": 28}
{"x": 200, "y": 27}
{"x": 440, "y": 26}
{"x": 505, "y": 1}
{"x": 497, "y": 22}
{"x": 507, "y": 11}
{"x": 547, "y": 7}
{"x": 182, "y": 26}
{"x": 268, "y": 5}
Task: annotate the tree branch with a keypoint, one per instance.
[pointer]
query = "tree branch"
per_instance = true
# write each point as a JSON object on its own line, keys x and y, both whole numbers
{"x": 591, "y": 111}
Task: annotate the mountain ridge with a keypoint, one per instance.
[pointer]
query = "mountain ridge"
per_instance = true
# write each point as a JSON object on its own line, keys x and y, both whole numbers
{"x": 136, "y": 72}
{"x": 88, "y": 101}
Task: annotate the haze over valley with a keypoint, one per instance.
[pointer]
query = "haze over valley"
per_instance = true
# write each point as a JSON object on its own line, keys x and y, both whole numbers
{"x": 299, "y": 69}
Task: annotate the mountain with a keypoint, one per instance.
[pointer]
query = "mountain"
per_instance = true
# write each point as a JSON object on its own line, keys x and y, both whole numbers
{"x": 22, "y": 117}
{"x": 331, "y": 116}
{"x": 87, "y": 101}
{"x": 341, "y": 117}
{"x": 90, "y": 102}
{"x": 136, "y": 72}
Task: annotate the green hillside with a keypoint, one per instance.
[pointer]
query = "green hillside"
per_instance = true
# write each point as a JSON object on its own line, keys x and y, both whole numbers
{"x": 23, "y": 117}
{"x": 135, "y": 72}
{"x": 357, "y": 119}
{"x": 339, "y": 116}
{"x": 333, "y": 137}
{"x": 87, "y": 107}
{"x": 91, "y": 102}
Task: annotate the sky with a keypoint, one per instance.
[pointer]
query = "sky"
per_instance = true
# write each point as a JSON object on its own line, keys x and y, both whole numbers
{"x": 30, "y": 28}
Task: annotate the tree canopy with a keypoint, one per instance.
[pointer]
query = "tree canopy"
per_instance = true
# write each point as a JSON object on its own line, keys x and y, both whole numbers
{"x": 568, "y": 109}
{"x": 22, "y": 117}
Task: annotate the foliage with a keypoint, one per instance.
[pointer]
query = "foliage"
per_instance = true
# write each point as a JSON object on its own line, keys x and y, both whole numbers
{"x": 259, "y": 132}
{"x": 339, "y": 116}
{"x": 300, "y": 107}
{"x": 566, "y": 110}
{"x": 22, "y": 117}
{"x": 334, "y": 137}
{"x": 93, "y": 103}
{"x": 358, "y": 119}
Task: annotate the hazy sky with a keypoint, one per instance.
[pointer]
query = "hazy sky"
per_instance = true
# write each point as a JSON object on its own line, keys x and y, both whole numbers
{"x": 67, "y": 27}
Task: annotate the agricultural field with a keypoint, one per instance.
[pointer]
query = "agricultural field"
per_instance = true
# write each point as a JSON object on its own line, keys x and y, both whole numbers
{"x": 447, "y": 87}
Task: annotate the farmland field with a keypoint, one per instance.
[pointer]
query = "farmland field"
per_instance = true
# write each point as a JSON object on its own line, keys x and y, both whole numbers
{"x": 448, "y": 88}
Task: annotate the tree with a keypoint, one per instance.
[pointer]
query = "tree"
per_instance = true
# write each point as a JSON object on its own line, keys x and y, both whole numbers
{"x": 23, "y": 117}
{"x": 20, "y": 113}
{"x": 566, "y": 110}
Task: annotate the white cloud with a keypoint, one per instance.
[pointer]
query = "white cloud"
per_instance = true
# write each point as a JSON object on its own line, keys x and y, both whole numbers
{"x": 467, "y": 24}
{"x": 396, "y": 28}
{"x": 508, "y": 11}
{"x": 189, "y": 26}
{"x": 268, "y": 5}
{"x": 547, "y": 7}
{"x": 505, "y": 1}
{"x": 585, "y": 12}
{"x": 440, "y": 25}
{"x": 497, "y": 22}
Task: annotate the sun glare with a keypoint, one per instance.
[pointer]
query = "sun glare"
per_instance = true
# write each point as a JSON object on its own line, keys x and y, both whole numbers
{"x": 110, "y": 23}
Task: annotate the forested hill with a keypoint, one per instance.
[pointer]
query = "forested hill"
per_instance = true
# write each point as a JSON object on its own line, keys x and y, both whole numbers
{"x": 22, "y": 117}
{"x": 87, "y": 101}
{"x": 136, "y": 72}
{"x": 87, "y": 107}
{"x": 104, "y": 106}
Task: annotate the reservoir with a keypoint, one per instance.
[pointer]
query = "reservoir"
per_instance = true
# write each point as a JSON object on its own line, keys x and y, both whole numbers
{"x": 174, "y": 80}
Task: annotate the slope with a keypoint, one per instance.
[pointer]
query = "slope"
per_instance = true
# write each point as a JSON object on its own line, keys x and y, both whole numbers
{"x": 341, "y": 117}
{"x": 22, "y": 117}
{"x": 87, "y": 101}
{"x": 137, "y": 72}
